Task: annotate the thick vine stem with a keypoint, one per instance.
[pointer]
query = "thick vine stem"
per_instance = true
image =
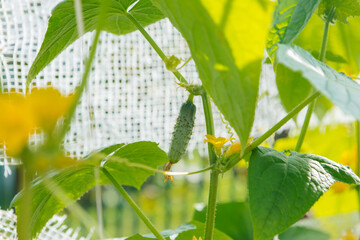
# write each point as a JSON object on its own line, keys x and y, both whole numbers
{"x": 155, "y": 46}
{"x": 214, "y": 175}
{"x": 133, "y": 205}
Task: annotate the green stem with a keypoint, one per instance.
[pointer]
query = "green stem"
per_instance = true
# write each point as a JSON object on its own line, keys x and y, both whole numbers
{"x": 154, "y": 45}
{"x": 357, "y": 128}
{"x": 214, "y": 175}
{"x": 305, "y": 126}
{"x": 134, "y": 206}
{"x": 312, "y": 105}
{"x": 66, "y": 125}
{"x": 24, "y": 220}
{"x": 324, "y": 41}
{"x": 278, "y": 125}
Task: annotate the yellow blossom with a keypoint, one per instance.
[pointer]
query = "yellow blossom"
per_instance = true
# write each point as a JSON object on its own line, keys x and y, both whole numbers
{"x": 16, "y": 123}
{"x": 195, "y": 238}
{"x": 48, "y": 106}
{"x": 217, "y": 142}
{"x": 340, "y": 187}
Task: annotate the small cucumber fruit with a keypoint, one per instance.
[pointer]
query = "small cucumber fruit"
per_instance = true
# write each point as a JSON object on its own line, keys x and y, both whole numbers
{"x": 182, "y": 131}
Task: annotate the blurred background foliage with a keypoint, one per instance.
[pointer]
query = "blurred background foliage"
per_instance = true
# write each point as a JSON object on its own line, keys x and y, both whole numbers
{"x": 170, "y": 204}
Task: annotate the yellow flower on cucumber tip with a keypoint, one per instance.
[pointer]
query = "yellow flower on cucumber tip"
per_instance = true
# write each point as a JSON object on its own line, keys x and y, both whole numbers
{"x": 236, "y": 147}
{"x": 217, "y": 142}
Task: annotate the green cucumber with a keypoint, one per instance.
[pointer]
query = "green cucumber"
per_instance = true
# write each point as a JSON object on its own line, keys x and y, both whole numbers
{"x": 182, "y": 131}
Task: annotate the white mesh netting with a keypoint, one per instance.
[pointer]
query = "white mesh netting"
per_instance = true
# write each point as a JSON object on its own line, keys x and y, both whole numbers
{"x": 54, "y": 229}
{"x": 131, "y": 96}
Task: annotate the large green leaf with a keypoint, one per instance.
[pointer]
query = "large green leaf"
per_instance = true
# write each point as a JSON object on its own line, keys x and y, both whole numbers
{"x": 340, "y": 89}
{"x": 290, "y": 18}
{"x": 226, "y": 39}
{"x": 75, "y": 181}
{"x": 184, "y": 232}
{"x": 62, "y": 30}
{"x": 232, "y": 218}
{"x": 284, "y": 186}
{"x": 303, "y": 233}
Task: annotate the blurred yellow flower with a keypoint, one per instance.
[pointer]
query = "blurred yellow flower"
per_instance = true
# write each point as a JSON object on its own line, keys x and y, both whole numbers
{"x": 217, "y": 142}
{"x": 16, "y": 123}
{"x": 44, "y": 162}
{"x": 48, "y": 106}
{"x": 348, "y": 236}
{"x": 195, "y": 238}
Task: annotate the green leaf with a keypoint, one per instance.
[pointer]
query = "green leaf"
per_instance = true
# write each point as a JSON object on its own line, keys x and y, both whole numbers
{"x": 184, "y": 232}
{"x": 227, "y": 54}
{"x": 75, "y": 181}
{"x": 322, "y": 106}
{"x": 340, "y": 89}
{"x": 292, "y": 87}
{"x": 232, "y": 218}
{"x": 283, "y": 187}
{"x": 303, "y": 233}
{"x": 62, "y": 30}
{"x": 290, "y": 18}
{"x": 343, "y": 9}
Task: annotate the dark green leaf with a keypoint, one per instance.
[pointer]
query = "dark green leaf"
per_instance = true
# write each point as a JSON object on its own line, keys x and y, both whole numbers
{"x": 283, "y": 187}
{"x": 232, "y": 218}
{"x": 62, "y": 30}
{"x": 303, "y": 233}
{"x": 290, "y": 18}
{"x": 184, "y": 232}
{"x": 75, "y": 181}
{"x": 227, "y": 54}
{"x": 343, "y": 9}
{"x": 340, "y": 89}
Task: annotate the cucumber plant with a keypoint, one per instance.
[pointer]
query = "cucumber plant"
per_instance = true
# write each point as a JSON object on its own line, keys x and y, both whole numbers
{"x": 227, "y": 41}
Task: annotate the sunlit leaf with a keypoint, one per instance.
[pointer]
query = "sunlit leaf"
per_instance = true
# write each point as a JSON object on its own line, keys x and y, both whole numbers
{"x": 62, "y": 30}
{"x": 290, "y": 18}
{"x": 284, "y": 186}
{"x": 343, "y": 41}
{"x": 226, "y": 39}
{"x": 340, "y": 89}
{"x": 75, "y": 181}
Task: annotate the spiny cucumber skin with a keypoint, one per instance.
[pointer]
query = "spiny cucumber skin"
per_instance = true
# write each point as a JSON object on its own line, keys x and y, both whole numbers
{"x": 182, "y": 132}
